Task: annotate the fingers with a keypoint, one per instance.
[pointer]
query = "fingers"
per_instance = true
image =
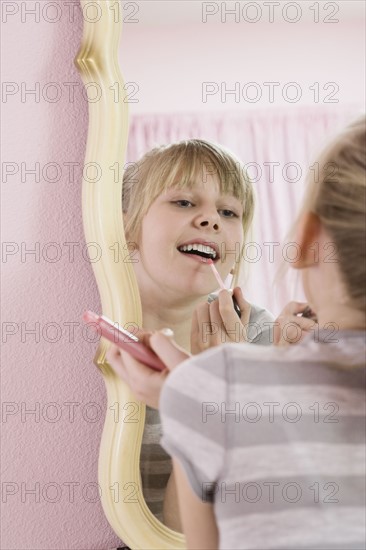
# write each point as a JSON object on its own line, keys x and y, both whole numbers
{"x": 233, "y": 327}
{"x": 221, "y": 312}
{"x": 290, "y": 327}
{"x": 146, "y": 383}
{"x": 245, "y": 306}
{"x": 113, "y": 352}
{"x": 144, "y": 336}
{"x": 124, "y": 365}
{"x": 291, "y": 333}
{"x": 207, "y": 333}
{"x": 309, "y": 314}
{"x": 304, "y": 323}
{"x": 194, "y": 333}
{"x": 168, "y": 350}
{"x": 218, "y": 323}
{"x": 114, "y": 359}
{"x": 294, "y": 308}
{"x": 143, "y": 381}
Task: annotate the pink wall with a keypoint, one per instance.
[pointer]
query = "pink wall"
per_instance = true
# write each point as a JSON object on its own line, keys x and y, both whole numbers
{"x": 37, "y": 452}
{"x": 233, "y": 55}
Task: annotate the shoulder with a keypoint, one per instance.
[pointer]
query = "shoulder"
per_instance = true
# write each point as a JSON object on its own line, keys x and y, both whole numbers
{"x": 204, "y": 377}
{"x": 314, "y": 360}
{"x": 198, "y": 378}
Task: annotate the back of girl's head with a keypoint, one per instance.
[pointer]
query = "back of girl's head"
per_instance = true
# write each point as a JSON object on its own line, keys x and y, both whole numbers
{"x": 338, "y": 198}
{"x": 181, "y": 165}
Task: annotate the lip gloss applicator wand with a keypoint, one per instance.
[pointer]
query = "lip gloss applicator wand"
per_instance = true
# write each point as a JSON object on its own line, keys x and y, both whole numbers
{"x": 222, "y": 286}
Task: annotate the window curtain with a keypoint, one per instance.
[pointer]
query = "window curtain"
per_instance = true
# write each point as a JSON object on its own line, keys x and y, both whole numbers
{"x": 278, "y": 148}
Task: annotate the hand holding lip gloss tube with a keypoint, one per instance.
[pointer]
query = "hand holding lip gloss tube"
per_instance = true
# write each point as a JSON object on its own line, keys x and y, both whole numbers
{"x": 223, "y": 287}
{"x": 125, "y": 340}
{"x": 308, "y": 313}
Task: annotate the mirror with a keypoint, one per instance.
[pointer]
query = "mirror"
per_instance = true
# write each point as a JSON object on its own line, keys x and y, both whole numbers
{"x": 260, "y": 114}
{"x": 119, "y": 471}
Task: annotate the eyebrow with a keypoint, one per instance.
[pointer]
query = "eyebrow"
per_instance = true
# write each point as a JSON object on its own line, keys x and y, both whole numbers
{"x": 237, "y": 204}
{"x": 192, "y": 191}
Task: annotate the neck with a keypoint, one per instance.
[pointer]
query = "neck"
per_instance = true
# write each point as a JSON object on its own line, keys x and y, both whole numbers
{"x": 176, "y": 315}
{"x": 341, "y": 317}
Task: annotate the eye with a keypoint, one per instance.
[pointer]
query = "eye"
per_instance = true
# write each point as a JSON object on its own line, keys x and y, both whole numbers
{"x": 183, "y": 203}
{"x": 228, "y": 213}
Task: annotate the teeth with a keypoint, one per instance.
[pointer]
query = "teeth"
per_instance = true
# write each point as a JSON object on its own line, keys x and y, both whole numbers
{"x": 200, "y": 248}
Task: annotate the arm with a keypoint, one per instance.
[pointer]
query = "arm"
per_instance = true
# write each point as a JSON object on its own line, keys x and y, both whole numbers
{"x": 147, "y": 384}
{"x": 171, "y": 512}
{"x": 198, "y": 519}
{"x": 196, "y": 516}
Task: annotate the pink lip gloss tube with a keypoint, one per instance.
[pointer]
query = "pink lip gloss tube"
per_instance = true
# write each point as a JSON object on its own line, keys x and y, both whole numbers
{"x": 222, "y": 286}
{"x": 124, "y": 340}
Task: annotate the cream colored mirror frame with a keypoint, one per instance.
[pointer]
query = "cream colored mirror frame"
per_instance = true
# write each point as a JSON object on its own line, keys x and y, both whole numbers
{"x": 119, "y": 458}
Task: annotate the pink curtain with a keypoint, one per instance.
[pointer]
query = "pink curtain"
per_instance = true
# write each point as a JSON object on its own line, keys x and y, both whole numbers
{"x": 277, "y": 147}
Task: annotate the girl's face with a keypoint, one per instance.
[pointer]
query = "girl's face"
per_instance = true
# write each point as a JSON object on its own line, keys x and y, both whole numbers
{"x": 180, "y": 230}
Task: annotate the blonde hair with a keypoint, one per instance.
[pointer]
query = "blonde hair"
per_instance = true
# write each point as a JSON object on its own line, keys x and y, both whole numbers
{"x": 338, "y": 198}
{"x": 180, "y": 165}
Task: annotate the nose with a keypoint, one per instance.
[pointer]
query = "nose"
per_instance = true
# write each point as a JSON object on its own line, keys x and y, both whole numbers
{"x": 209, "y": 220}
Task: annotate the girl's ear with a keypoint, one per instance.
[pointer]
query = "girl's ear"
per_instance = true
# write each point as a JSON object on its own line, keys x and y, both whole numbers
{"x": 307, "y": 237}
{"x": 130, "y": 239}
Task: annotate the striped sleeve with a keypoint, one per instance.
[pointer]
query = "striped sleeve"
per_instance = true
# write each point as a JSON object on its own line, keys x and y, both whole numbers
{"x": 190, "y": 409}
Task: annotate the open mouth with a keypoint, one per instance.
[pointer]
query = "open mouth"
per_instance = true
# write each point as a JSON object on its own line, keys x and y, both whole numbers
{"x": 202, "y": 250}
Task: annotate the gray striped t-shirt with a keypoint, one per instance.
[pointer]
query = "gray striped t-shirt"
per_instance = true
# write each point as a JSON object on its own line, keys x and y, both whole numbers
{"x": 275, "y": 438}
{"x": 155, "y": 463}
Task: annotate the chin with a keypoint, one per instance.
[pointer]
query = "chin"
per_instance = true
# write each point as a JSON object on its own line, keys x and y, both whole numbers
{"x": 194, "y": 289}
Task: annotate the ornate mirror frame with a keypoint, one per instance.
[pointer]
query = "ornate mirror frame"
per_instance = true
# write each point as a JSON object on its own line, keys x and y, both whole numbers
{"x": 119, "y": 458}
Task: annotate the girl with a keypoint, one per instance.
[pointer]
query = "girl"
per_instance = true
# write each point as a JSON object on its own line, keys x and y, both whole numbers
{"x": 184, "y": 203}
{"x": 268, "y": 444}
